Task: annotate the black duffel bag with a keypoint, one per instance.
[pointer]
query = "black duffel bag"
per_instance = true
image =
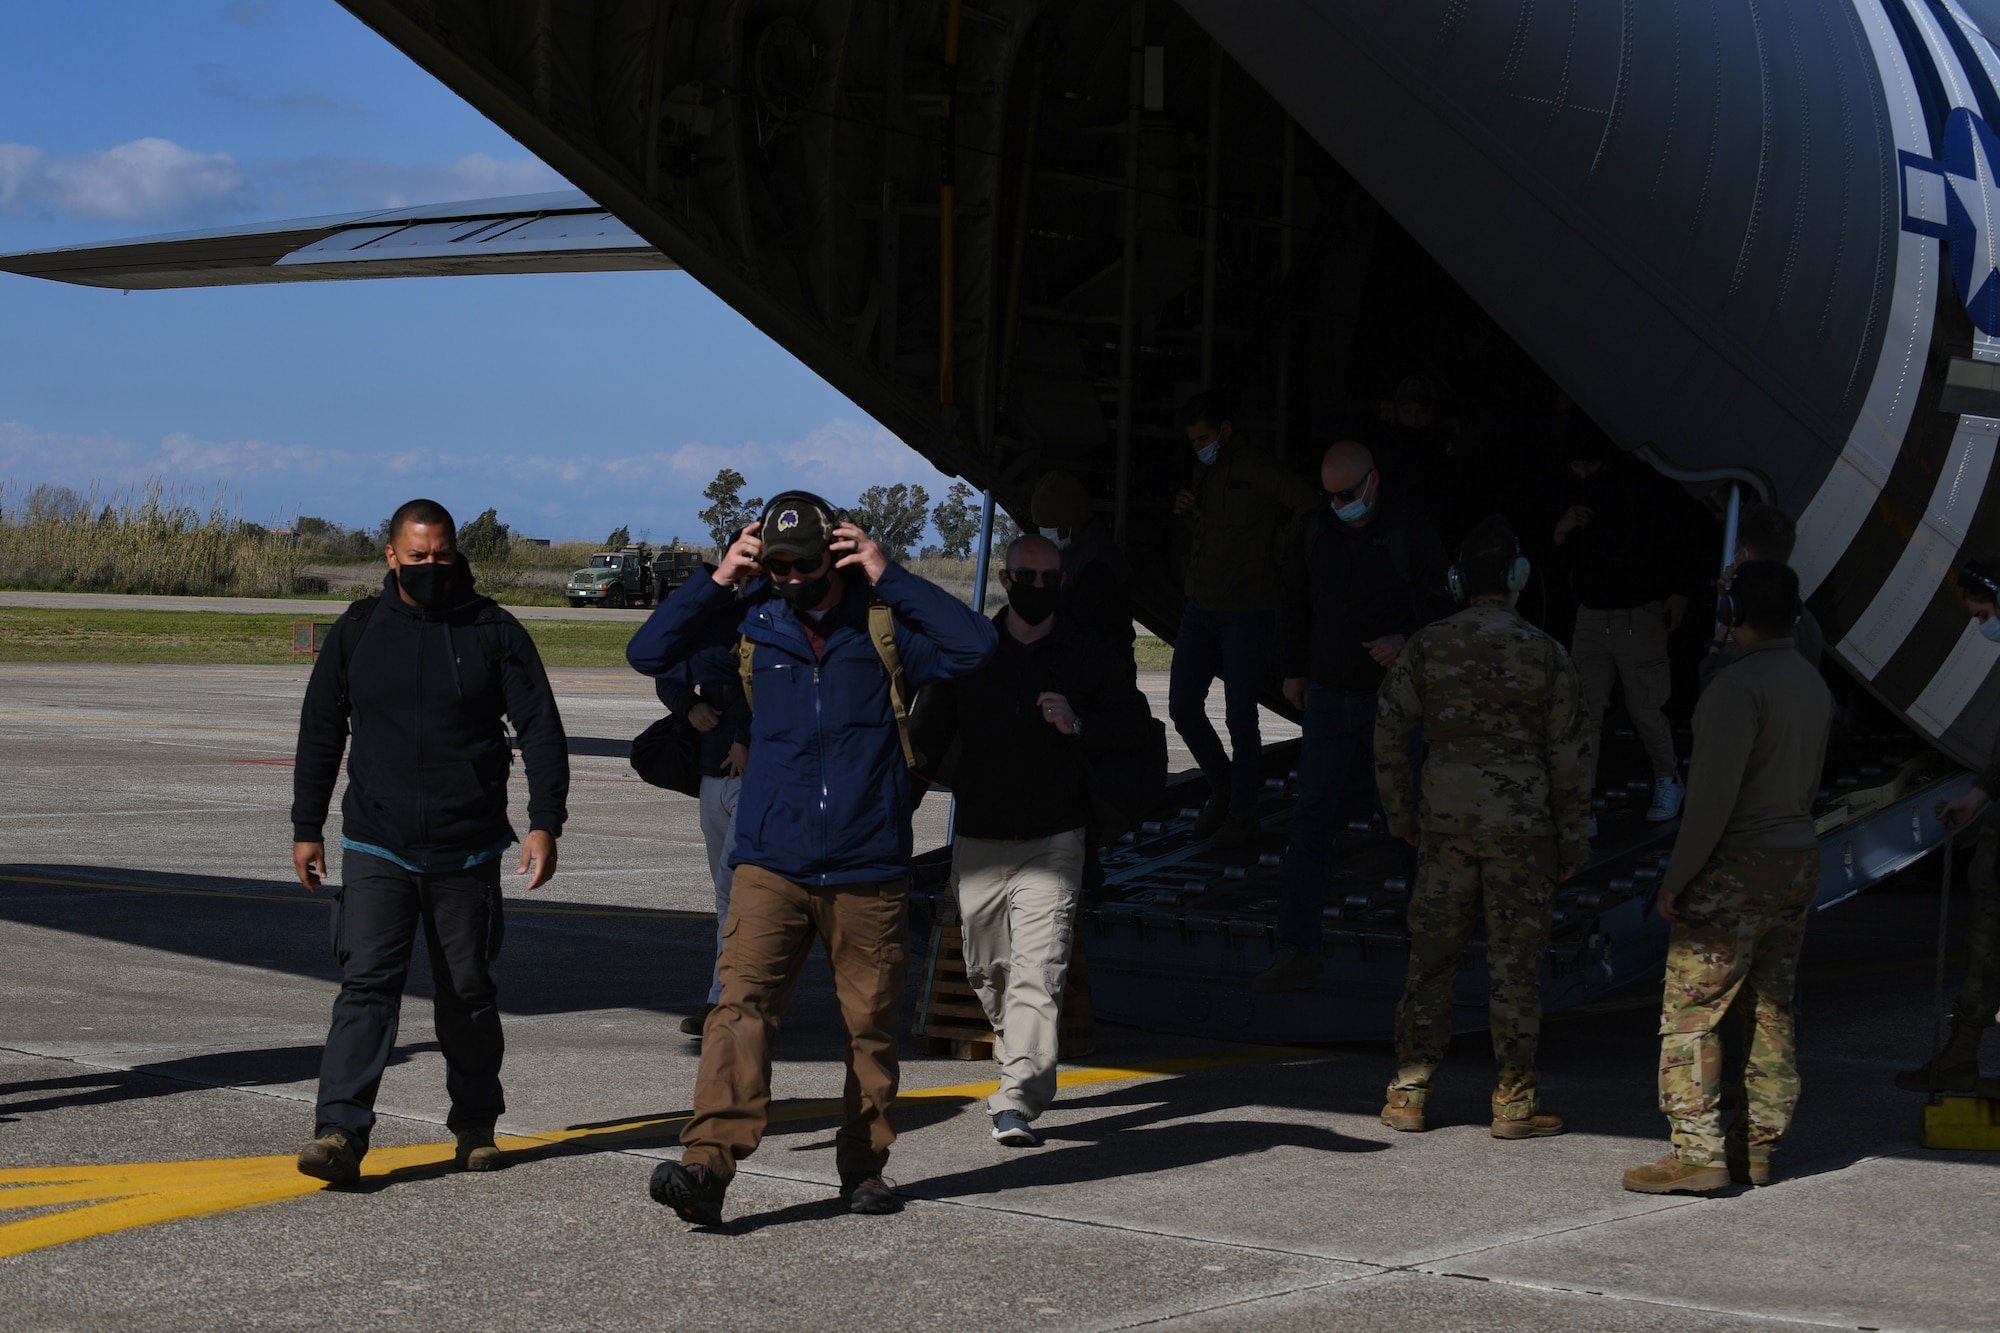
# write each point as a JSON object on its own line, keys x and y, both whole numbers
{"x": 668, "y": 754}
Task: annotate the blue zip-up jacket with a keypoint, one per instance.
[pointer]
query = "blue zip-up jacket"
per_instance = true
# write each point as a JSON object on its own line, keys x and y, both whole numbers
{"x": 826, "y": 798}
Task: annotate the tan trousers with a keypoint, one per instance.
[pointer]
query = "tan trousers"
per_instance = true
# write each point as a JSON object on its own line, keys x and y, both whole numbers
{"x": 1628, "y": 647}
{"x": 771, "y": 926}
{"x": 1017, "y": 907}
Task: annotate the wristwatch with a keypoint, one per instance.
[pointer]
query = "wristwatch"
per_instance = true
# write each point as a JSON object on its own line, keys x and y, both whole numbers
{"x": 1076, "y": 726}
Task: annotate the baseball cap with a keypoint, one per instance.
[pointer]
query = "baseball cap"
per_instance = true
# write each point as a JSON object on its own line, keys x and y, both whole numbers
{"x": 796, "y": 526}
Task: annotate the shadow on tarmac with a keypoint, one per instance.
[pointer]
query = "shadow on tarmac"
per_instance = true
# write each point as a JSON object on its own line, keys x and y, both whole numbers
{"x": 225, "y": 1069}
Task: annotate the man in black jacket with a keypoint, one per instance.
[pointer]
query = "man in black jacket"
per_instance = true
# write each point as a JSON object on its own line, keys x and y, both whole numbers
{"x": 421, "y": 677}
{"x": 1022, "y": 725}
{"x": 1365, "y": 574}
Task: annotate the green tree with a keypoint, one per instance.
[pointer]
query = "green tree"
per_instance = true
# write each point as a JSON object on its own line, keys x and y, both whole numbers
{"x": 956, "y": 519}
{"x": 894, "y": 516}
{"x": 619, "y": 539}
{"x": 727, "y": 510}
{"x": 484, "y": 538}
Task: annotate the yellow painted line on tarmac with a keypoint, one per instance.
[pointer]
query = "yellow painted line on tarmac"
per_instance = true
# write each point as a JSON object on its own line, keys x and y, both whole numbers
{"x": 99, "y": 1200}
{"x": 136, "y": 722}
{"x": 513, "y": 905}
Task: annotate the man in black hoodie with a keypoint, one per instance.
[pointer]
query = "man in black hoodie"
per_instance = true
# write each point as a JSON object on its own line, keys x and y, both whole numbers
{"x": 421, "y": 677}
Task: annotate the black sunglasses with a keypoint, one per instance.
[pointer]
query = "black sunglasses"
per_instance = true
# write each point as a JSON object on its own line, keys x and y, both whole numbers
{"x": 781, "y": 566}
{"x": 1347, "y": 496}
{"x": 1045, "y": 578}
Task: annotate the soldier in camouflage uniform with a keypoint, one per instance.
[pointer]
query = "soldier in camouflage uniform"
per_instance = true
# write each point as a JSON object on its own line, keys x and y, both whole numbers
{"x": 1502, "y": 819}
{"x": 1744, "y": 871}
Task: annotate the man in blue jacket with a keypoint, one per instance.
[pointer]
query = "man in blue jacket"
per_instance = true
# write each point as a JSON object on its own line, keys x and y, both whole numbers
{"x": 822, "y": 823}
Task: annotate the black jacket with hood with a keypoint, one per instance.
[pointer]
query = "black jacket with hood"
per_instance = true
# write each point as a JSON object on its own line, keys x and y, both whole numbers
{"x": 425, "y": 695}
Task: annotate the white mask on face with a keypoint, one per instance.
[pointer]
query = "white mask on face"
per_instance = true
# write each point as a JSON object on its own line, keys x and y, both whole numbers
{"x": 1990, "y": 629}
{"x": 1207, "y": 453}
{"x": 1062, "y": 543}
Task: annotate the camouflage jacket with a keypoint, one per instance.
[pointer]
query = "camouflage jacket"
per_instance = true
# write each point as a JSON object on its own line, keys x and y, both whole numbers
{"x": 1507, "y": 741}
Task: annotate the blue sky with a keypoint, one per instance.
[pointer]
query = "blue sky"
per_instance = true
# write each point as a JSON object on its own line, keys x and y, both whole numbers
{"x": 572, "y": 403}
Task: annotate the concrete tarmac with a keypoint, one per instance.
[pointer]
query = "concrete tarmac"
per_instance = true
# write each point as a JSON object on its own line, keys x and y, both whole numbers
{"x": 166, "y": 988}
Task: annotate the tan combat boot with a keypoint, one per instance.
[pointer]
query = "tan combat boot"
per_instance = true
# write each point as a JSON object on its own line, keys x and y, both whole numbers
{"x": 1402, "y": 1114}
{"x": 1670, "y": 1175}
{"x": 476, "y": 1151}
{"x": 1540, "y": 1125}
{"x": 1957, "y": 1065}
{"x": 1747, "y": 1165}
{"x": 330, "y": 1157}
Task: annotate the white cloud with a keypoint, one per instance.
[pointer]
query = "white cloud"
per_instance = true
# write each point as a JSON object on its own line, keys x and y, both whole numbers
{"x": 323, "y": 183}
{"x": 142, "y": 181}
{"x": 554, "y": 495}
{"x": 155, "y": 180}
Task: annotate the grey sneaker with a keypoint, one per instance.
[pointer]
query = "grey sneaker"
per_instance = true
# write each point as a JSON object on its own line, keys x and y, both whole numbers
{"x": 1668, "y": 792}
{"x": 1011, "y": 1129}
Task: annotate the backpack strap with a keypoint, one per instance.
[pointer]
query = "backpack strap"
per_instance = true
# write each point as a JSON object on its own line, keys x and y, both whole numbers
{"x": 882, "y": 629}
{"x": 356, "y": 618}
{"x": 490, "y": 625}
{"x": 882, "y": 633}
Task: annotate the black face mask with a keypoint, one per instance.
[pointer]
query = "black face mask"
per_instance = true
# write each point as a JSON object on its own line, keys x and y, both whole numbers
{"x": 1032, "y": 603}
{"x": 805, "y": 596}
{"x": 431, "y": 586}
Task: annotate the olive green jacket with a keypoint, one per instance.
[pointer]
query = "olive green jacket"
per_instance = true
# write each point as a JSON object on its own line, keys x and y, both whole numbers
{"x": 1759, "y": 744}
{"x": 1245, "y": 500}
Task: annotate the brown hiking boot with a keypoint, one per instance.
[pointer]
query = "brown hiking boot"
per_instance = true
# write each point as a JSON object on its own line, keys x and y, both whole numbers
{"x": 1400, "y": 1115}
{"x": 476, "y": 1151}
{"x": 1670, "y": 1175}
{"x": 330, "y": 1157}
{"x": 870, "y": 1194}
{"x": 1540, "y": 1125}
{"x": 1239, "y": 830}
{"x": 1288, "y": 968}
{"x": 696, "y": 1021}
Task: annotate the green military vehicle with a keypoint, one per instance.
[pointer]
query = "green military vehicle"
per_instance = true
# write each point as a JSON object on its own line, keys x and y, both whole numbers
{"x": 615, "y": 579}
{"x": 675, "y": 567}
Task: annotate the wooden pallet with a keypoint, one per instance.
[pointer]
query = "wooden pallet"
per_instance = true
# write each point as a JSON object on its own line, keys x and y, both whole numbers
{"x": 952, "y": 1023}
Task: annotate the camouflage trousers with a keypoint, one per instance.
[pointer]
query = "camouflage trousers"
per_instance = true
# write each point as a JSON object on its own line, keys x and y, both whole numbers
{"x": 1513, "y": 880}
{"x": 1979, "y": 993}
{"x": 1743, "y": 919}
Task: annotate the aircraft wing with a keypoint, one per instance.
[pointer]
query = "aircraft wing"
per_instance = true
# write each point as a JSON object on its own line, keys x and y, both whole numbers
{"x": 559, "y": 232}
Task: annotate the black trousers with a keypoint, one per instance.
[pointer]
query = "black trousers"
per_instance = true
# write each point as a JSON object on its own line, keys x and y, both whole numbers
{"x": 375, "y": 916}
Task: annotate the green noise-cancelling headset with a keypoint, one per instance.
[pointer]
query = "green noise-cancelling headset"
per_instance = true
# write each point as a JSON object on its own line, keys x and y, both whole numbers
{"x": 1517, "y": 574}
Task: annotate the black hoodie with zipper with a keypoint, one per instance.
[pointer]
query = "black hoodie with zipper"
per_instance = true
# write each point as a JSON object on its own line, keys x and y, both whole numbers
{"x": 425, "y": 695}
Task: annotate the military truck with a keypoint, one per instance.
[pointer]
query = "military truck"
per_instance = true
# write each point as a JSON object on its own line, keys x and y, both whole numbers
{"x": 675, "y": 567}
{"x": 615, "y": 579}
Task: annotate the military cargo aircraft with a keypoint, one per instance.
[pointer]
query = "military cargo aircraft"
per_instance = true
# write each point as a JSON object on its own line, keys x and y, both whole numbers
{"x": 1755, "y": 243}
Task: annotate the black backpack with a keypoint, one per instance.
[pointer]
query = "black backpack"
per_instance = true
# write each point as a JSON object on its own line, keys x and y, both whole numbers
{"x": 668, "y": 754}
{"x": 487, "y": 624}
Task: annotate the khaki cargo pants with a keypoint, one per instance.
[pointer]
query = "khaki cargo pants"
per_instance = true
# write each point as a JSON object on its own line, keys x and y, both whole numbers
{"x": 1629, "y": 648}
{"x": 771, "y": 926}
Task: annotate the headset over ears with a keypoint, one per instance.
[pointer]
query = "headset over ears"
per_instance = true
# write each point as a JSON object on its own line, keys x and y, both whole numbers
{"x": 1517, "y": 573}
